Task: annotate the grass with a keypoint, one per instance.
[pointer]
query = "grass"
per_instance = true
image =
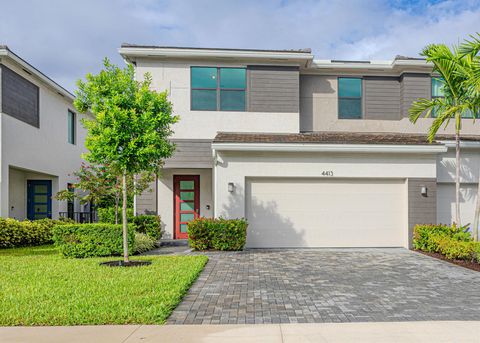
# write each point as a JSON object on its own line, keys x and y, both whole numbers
{"x": 39, "y": 287}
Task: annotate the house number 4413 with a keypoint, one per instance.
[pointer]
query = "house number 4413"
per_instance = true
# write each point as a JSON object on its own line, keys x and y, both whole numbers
{"x": 327, "y": 173}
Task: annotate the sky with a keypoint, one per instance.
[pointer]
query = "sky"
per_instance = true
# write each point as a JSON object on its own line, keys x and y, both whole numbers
{"x": 66, "y": 39}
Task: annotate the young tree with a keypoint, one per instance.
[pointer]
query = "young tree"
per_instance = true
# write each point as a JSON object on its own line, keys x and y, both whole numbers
{"x": 456, "y": 103}
{"x": 472, "y": 48}
{"x": 99, "y": 186}
{"x": 131, "y": 127}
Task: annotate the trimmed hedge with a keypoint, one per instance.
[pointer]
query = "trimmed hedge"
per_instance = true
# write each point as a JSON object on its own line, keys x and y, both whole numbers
{"x": 144, "y": 223}
{"x": 149, "y": 225}
{"x": 91, "y": 240}
{"x": 14, "y": 233}
{"x": 217, "y": 233}
{"x": 107, "y": 215}
{"x": 453, "y": 242}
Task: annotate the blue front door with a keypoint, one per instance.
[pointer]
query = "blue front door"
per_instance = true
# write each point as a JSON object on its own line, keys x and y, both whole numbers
{"x": 39, "y": 199}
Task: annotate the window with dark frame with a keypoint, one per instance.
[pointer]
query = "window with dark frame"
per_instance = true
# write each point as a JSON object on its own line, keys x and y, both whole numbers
{"x": 218, "y": 89}
{"x": 71, "y": 127}
{"x": 437, "y": 92}
{"x": 350, "y": 98}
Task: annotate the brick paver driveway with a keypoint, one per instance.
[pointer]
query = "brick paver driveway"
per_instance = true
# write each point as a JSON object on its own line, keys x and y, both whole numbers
{"x": 329, "y": 285}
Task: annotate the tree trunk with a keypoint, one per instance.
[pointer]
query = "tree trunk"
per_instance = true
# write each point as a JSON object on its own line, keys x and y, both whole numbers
{"x": 457, "y": 177}
{"x": 117, "y": 200}
{"x": 477, "y": 212}
{"x": 124, "y": 217}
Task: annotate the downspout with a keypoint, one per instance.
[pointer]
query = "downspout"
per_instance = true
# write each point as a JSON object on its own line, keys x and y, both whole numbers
{"x": 214, "y": 183}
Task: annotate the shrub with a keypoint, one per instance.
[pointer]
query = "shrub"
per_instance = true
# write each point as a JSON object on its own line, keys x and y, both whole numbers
{"x": 218, "y": 234}
{"x": 14, "y": 233}
{"x": 456, "y": 250}
{"x": 91, "y": 240}
{"x": 107, "y": 215}
{"x": 149, "y": 225}
{"x": 143, "y": 243}
{"x": 425, "y": 236}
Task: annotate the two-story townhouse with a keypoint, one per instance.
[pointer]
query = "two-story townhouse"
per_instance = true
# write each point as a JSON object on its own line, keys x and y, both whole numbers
{"x": 313, "y": 153}
{"x": 41, "y": 141}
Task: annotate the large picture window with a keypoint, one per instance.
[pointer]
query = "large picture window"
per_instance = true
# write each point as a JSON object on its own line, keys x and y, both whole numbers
{"x": 349, "y": 98}
{"x": 218, "y": 89}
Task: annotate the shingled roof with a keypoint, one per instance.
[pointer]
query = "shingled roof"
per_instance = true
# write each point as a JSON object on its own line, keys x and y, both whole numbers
{"x": 332, "y": 138}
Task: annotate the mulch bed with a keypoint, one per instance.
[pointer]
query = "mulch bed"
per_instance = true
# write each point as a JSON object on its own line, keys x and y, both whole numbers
{"x": 466, "y": 264}
{"x": 126, "y": 264}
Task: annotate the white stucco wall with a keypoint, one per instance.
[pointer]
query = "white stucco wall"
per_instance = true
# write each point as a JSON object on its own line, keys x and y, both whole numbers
{"x": 41, "y": 150}
{"x": 174, "y": 77}
{"x": 165, "y": 196}
{"x": 237, "y": 166}
{"x": 319, "y": 112}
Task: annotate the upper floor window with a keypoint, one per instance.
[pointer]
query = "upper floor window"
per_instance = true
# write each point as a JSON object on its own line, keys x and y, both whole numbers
{"x": 438, "y": 92}
{"x": 218, "y": 89}
{"x": 71, "y": 127}
{"x": 349, "y": 98}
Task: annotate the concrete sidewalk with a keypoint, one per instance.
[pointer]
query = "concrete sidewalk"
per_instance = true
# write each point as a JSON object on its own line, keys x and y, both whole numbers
{"x": 409, "y": 332}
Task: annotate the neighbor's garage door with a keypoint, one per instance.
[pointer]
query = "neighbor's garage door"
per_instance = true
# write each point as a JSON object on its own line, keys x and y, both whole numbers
{"x": 296, "y": 212}
{"x": 446, "y": 203}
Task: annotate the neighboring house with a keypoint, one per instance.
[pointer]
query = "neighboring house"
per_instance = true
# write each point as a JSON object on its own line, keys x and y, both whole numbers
{"x": 41, "y": 141}
{"x": 313, "y": 153}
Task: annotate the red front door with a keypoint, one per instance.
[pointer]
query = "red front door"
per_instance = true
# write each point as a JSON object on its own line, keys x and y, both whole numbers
{"x": 186, "y": 202}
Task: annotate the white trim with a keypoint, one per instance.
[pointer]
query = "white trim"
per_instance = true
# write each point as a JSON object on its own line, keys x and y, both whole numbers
{"x": 42, "y": 77}
{"x": 356, "y": 148}
{"x": 213, "y": 53}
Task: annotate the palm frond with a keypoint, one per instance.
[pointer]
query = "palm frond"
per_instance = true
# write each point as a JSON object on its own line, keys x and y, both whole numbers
{"x": 470, "y": 46}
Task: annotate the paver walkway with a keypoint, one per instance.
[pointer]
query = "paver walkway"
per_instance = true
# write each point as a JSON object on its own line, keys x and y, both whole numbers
{"x": 328, "y": 285}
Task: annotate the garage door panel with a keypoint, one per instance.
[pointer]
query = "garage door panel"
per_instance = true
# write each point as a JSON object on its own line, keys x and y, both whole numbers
{"x": 325, "y": 213}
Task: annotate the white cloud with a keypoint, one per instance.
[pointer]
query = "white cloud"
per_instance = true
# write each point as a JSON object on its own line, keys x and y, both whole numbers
{"x": 67, "y": 39}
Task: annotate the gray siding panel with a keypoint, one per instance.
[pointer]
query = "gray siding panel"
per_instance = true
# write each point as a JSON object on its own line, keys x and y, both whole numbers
{"x": 412, "y": 87}
{"x": 421, "y": 209}
{"x": 146, "y": 203}
{"x": 20, "y": 97}
{"x": 196, "y": 153}
{"x": 273, "y": 89}
{"x": 382, "y": 98}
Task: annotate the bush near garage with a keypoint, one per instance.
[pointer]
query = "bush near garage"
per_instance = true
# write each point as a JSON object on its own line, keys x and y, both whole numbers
{"x": 217, "y": 234}
{"x": 107, "y": 215}
{"x": 15, "y": 233}
{"x": 454, "y": 242}
{"x": 91, "y": 240}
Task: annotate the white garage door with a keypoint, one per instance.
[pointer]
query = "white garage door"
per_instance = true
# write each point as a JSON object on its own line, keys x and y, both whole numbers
{"x": 326, "y": 213}
{"x": 446, "y": 203}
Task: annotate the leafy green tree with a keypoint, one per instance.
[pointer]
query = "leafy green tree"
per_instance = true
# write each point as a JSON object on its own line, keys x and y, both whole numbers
{"x": 96, "y": 184}
{"x": 131, "y": 127}
{"x": 472, "y": 48}
{"x": 453, "y": 68}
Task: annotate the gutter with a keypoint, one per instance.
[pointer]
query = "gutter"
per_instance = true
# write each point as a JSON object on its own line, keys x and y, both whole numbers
{"x": 353, "y": 148}
{"x": 463, "y": 144}
{"x": 198, "y": 53}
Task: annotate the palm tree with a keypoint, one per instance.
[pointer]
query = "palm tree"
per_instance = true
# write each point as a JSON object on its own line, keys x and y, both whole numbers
{"x": 452, "y": 67}
{"x": 472, "y": 48}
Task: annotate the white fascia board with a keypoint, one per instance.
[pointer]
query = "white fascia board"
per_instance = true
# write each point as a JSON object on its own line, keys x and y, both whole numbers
{"x": 463, "y": 144}
{"x": 36, "y": 73}
{"x": 199, "y": 53}
{"x": 361, "y": 148}
{"x": 380, "y": 65}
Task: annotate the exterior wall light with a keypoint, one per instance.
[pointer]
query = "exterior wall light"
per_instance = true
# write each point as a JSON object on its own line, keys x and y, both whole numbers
{"x": 424, "y": 191}
{"x": 231, "y": 187}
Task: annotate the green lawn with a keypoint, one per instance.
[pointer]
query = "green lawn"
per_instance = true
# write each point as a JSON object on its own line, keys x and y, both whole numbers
{"x": 39, "y": 287}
